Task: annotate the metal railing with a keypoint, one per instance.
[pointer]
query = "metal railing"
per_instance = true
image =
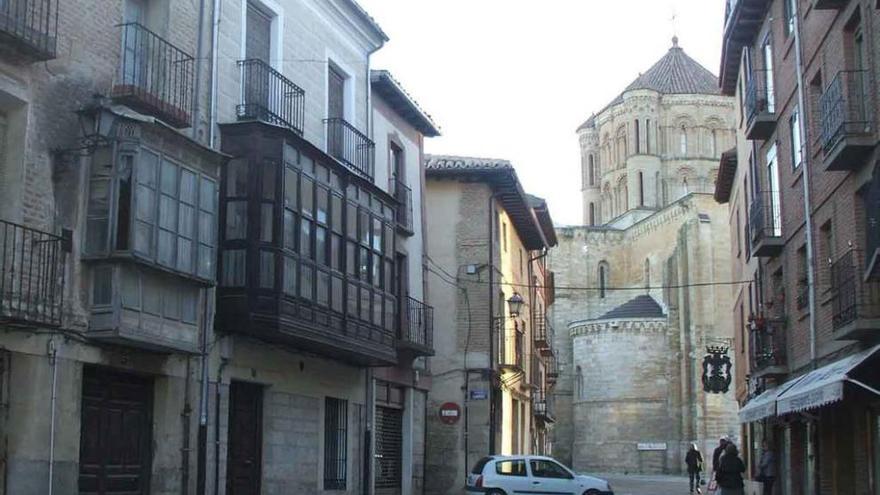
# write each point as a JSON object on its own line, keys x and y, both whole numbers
{"x": 765, "y": 216}
{"x": 535, "y": 379}
{"x": 268, "y": 96}
{"x": 802, "y": 294}
{"x": 846, "y": 108}
{"x": 403, "y": 195}
{"x": 760, "y": 95}
{"x": 542, "y": 404}
{"x": 418, "y": 327}
{"x": 509, "y": 348}
{"x": 350, "y": 146}
{"x": 155, "y": 76}
{"x": 543, "y": 333}
{"x": 853, "y": 298}
{"x": 31, "y": 275}
{"x": 31, "y": 25}
{"x": 767, "y": 343}
{"x": 552, "y": 366}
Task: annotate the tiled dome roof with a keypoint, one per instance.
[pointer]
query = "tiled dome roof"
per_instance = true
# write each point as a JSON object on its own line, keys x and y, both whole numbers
{"x": 643, "y": 306}
{"x": 675, "y": 73}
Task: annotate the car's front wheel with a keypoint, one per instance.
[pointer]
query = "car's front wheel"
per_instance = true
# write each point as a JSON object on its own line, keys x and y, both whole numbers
{"x": 495, "y": 491}
{"x": 591, "y": 491}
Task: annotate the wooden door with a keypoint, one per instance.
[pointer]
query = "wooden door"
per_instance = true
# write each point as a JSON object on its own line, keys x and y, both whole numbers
{"x": 115, "y": 433}
{"x": 244, "y": 460}
{"x": 258, "y": 34}
{"x": 336, "y": 110}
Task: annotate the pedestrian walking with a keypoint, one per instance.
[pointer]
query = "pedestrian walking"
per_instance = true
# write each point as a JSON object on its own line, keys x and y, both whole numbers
{"x": 716, "y": 455}
{"x": 694, "y": 461}
{"x": 767, "y": 468}
{"x": 729, "y": 474}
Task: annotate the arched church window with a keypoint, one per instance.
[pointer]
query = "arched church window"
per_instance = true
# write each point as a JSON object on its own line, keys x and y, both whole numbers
{"x": 713, "y": 144}
{"x": 579, "y": 382}
{"x": 683, "y": 141}
{"x": 638, "y": 135}
{"x": 592, "y": 171}
{"x": 647, "y": 273}
{"x": 603, "y": 279}
{"x": 641, "y": 189}
{"x": 647, "y": 135}
{"x": 592, "y": 214}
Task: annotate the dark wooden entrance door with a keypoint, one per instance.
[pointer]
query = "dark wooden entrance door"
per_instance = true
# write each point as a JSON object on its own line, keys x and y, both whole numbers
{"x": 115, "y": 433}
{"x": 244, "y": 461}
{"x": 389, "y": 443}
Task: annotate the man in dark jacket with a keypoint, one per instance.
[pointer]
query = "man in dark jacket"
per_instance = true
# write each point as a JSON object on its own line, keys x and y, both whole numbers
{"x": 694, "y": 461}
{"x": 729, "y": 474}
{"x": 716, "y": 455}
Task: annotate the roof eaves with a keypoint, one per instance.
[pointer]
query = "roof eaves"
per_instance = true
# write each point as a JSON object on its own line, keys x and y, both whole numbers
{"x": 403, "y": 103}
{"x": 726, "y": 173}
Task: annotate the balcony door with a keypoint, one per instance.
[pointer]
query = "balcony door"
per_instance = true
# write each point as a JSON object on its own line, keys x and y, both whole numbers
{"x": 768, "y": 75}
{"x": 134, "y": 45}
{"x": 335, "y": 110}
{"x": 775, "y": 209}
{"x": 258, "y": 47}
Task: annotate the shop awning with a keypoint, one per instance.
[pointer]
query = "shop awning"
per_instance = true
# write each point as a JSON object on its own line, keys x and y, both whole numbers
{"x": 824, "y": 385}
{"x": 764, "y": 405}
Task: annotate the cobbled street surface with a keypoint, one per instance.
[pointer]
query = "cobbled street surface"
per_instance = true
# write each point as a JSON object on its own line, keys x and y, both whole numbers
{"x": 647, "y": 485}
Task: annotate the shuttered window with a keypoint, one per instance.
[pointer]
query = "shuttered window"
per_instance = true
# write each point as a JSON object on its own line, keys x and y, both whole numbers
{"x": 335, "y": 443}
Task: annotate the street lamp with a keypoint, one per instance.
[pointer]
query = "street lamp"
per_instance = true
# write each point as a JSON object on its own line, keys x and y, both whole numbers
{"x": 515, "y": 304}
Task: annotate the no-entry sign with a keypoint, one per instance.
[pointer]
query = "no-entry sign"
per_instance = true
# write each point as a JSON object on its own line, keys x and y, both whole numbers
{"x": 450, "y": 413}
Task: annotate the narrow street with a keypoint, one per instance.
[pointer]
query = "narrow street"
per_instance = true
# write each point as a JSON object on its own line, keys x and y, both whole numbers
{"x": 647, "y": 484}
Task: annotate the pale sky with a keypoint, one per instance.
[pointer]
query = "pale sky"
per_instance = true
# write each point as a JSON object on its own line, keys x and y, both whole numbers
{"x": 514, "y": 79}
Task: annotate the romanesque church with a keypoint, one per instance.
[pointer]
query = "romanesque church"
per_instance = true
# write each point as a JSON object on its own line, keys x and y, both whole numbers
{"x": 638, "y": 294}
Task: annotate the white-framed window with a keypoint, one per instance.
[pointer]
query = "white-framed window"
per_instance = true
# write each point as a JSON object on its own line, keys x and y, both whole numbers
{"x": 794, "y": 127}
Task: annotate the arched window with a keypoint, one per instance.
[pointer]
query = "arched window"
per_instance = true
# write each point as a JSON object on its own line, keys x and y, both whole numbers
{"x": 641, "y": 189}
{"x": 713, "y": 144}
{"x": 592, "y": 214}
{"x": 647, "y": 135}
{"x": 657, "y": 194}
{"x": 579, "y": 383}
{"x": 592, "y": 171}
{"x": 683, "y": 141}
{"x": 647, "y": 273}
{"x": 637, "y": 137}
{"x": 603, "y": 279}
{"x": 684, "y": 185}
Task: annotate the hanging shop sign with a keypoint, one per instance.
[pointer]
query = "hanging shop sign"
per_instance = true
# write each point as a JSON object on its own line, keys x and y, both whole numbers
{"x": 716, "y": 370}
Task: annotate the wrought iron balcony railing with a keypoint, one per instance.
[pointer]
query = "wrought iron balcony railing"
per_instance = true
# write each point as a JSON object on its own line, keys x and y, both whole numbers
{"x": 350, "y": 146}
{"x": 847, "y": 119}
{"x": 543, "y": 335}
{"x": 509, "y": 348}
{"x": 30, "y": 27}
{"x": 767, "y": 344}
{"x": 535, "y": 368}
{"x": 543, "y": 405}
{"x": 802, "y": 294}
{"x": 404, "y": 215}
{"x": 856, "y": 303}
{"x": 155, "y": 77}
{"x": 268, "y": 96}
{"x": 551, "y": 364}
{"x": 765, "y": 221}
{"x": 31, "y": 275}
{"x": 417, "y": 329}
{"x": 760, "y": 105}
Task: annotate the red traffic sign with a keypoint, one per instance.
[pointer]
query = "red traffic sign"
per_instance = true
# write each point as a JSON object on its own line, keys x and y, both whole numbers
{"x": 450, "y": 413}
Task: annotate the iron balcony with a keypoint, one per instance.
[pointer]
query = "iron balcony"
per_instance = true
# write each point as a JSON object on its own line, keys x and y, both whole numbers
{"x": 543, "y": 406}
{"x": 268, "y": 96}
{"x": 29, "y": 28}
{"x": 855, "y": 302}
{"x": 848, "y": 132}
{"x": 155, "y": 77}
{"x": 765, "y": 221}
{"x": 742, "y": 22}
{"x": 417, "y": 328}
{"x": 767, "y": 347}
{"x": 543, "y": 335}
{"x": 350, "y": 146}
{"x": 760, "y": 105}
{"x": 31, "y": 275}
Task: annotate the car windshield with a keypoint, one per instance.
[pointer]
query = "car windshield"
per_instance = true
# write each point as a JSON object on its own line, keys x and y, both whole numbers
{"x": 478, "y": 467}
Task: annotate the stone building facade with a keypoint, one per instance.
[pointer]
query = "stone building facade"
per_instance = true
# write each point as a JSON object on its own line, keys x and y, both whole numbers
{"x": 210, "y": 251}
{"x": 803, "y": 186}
{"x": 640, "y": 302}
{"x": 493, "y": 362}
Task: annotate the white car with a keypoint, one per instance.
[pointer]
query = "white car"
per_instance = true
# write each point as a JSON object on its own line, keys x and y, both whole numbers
{"x": 532, "y": 474}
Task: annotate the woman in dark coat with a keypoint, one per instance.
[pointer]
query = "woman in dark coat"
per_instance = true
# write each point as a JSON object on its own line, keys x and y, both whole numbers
{"x": 694, "y": 461}
{"x": 729, "y": 475}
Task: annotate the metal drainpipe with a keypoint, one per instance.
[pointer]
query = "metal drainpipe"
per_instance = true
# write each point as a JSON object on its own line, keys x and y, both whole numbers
{"x": 53, "y": 360}
{"x": 185, "y": 418}
{"x": 805, "y": 158}
{"x": 223, "y": 362}
{"x": 491, "y": 388}
{"x": 200, "y": 48}
{"x": 201, "y": 471}
{"x": 213, "y": 98}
